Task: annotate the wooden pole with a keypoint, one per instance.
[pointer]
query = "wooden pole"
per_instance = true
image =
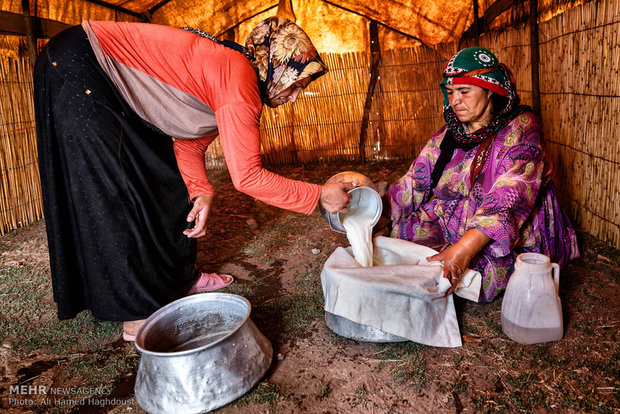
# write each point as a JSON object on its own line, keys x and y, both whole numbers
{"x": 476, "y": 22}
{"x": 534, "y": 50}
{"x": 32, "y": 42}
{"x": 375, "y": 56}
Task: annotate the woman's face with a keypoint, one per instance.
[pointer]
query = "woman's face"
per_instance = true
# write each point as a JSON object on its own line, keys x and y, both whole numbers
{"x": 289, "y": 94}
{"x": 471, "y": 104}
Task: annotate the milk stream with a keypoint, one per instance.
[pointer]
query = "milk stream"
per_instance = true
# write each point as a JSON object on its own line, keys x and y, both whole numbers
{"x": 359, "y": 233}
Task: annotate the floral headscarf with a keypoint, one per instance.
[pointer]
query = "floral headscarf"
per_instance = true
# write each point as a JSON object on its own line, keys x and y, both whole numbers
{"x": 282, "y": 54}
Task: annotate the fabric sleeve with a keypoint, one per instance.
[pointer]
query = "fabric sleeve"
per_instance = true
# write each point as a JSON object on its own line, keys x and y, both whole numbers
{"x": 509, "y": 202}
{"x": 239, "y": 126}
{"x": 413, "y": 189}
{"x": 190, "y": 155}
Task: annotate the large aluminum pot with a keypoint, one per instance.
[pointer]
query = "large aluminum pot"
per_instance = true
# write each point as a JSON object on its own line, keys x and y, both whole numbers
{"x": 357, "y": 331}
{"x": 199, "y": 353}
{"x": 364, "y": 200}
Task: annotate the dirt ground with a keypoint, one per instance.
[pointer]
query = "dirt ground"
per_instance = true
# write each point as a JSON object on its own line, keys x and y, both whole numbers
{"x": 276, "y": 257}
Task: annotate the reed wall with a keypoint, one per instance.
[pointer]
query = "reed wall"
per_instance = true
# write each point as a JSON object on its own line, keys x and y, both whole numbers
{"x": 20, "y": 189}
{"x": 580, "y": 105}
{"x": 580, "y": 108}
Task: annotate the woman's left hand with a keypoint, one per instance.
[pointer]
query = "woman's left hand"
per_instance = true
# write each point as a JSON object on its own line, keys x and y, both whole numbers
{"x": 199, "y": 214}
{"x": 457, "y": 257}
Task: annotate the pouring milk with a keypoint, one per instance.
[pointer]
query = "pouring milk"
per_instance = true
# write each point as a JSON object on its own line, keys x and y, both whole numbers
{"x": 363, "y": 212}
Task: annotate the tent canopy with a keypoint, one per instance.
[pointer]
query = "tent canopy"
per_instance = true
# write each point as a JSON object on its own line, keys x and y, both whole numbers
{"x": 335, "y": 26}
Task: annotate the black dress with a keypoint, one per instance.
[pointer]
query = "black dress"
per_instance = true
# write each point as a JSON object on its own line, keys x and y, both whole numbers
{"x": 114, "y": 200}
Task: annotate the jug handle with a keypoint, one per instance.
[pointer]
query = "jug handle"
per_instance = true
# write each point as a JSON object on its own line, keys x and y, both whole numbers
{"x": 556, "y": 276}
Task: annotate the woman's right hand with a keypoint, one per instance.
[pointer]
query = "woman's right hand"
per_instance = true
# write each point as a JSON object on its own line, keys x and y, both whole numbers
{"x": 456, "y": 258}
{"x": 198, "y": 215}
{"x": 334, "y": 196}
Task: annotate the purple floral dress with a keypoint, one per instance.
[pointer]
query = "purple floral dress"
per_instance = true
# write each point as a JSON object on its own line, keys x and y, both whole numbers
{"x": 512, "y": 201}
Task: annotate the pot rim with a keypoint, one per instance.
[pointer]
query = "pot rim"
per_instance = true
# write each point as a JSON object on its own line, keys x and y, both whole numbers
{"x": 183, "y": 301}
{"x": 377, "y": 198}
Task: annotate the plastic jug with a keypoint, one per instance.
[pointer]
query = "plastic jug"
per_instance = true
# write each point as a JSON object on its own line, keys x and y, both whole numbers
{"x": 531, "y": 308}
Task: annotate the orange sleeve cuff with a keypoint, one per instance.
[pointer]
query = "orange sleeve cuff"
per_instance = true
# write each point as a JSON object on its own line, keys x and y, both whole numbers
{"x": 190, "y": 155}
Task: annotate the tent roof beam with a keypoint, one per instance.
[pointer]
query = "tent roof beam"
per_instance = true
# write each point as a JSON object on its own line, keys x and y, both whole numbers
{"x": 115, "y": 7}
{"x": 14, "y": 24}
{"x": 490, "y": 14}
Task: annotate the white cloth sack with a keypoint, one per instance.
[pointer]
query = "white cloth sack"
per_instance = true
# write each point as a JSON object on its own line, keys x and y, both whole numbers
{"x": 399, "y": 295}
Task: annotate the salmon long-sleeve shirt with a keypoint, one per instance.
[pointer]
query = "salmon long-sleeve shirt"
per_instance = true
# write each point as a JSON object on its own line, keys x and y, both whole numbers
{"x": 194, "y": 89}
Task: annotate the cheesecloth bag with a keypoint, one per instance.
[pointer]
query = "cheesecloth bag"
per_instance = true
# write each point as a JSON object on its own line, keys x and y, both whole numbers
{"x": 402, "y": 294}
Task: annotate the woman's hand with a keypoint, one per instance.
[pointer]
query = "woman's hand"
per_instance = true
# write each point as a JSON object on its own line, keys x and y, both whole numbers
{"x": 199, "y": 214}
{"x": 334, "y": 196}
{"x": 457, "y": 257}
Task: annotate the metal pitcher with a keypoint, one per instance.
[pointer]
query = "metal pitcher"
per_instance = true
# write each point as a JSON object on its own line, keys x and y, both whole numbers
{"x": 364, "y": 195}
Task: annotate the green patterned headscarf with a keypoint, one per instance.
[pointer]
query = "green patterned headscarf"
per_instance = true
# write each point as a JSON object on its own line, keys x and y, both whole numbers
{"x": 478, "y": 66}
{"x": 474, "y": 66}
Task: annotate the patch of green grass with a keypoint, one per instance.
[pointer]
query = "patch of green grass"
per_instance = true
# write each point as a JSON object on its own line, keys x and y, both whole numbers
{"x": 410, "y": 359}
{"x": 324, "y": 390}
{"x": 272, "y": 237}
{"x": 264, "y": 393}
{"x": 304, "y": 305}
{"x": 81, "y": 334}
{"x": 516, "y": 354}
{"x": 524, "y": 393}
{"x": 29, "y": 321}
{"x": 309, "y": 277}
{"x": 460, "y": 385}
{"x": 550, "y": 377}
{"x": 247, "y": 288}
{"x": 336, "y": 339}
{"x": 470, "y": 326}
{"x": 495, "y": 326}
{"x": 585, "y": 404}
{"x": 457, "y": 359}
{"x": 583, "y": 326}
{"x": 400, "y": 350}
{"x": 297, "y": 310}
{"x": 22, "y": 291}
{"x": 606, "y": 370}
{"x": 361, "y": 394}
{"x": 540, "y": 356}
{"x": 100, "y": 370}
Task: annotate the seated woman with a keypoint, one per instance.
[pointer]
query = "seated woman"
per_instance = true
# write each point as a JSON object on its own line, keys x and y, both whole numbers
{"x": 479, "y": 192}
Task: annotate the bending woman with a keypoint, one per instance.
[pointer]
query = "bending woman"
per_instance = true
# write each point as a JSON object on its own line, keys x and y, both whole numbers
{"x": 479, "y": 192}
{"x": 123, "y": 201}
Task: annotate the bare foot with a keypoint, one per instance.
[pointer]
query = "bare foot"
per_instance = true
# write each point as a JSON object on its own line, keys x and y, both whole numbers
{"x": 131, "y": 327}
